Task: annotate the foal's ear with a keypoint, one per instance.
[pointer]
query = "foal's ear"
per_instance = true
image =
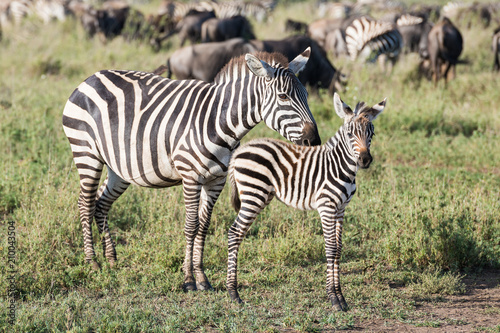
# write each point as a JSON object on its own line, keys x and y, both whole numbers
{"x": 300, "y": 61}
{"x": 376, "y": 110}
{"x": 259, "y": 67}
{"x": 343, "y": 110}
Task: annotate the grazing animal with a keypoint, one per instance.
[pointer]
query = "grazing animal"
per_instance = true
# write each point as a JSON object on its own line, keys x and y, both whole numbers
{"x": 321, "y": 178}
{"x": 412, "y": 29}
{"x": 295, "y": 26}
{"x": 496, "y": 49}
{"x": 444, "y": 46}
{"x": 218, "y": 30}
{"x": 335, "y": 43}
{"x": 319, "y": 71}
{"x": 189, "y": 28}
{"x": 367, "y": 38}
{"x": 155, "y": 132}
{"x": 204, "y": 61}
{"x": 319, "y": 29}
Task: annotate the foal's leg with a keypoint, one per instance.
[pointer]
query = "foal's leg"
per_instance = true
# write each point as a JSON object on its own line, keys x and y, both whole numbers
{"x": 331, "y": 222}
{"x": 251, "y": 206}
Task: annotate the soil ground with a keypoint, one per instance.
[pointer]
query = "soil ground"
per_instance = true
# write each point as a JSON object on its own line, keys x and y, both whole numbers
{"x": 478, "y": 310}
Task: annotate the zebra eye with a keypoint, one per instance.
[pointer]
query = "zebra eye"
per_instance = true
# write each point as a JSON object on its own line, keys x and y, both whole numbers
{"x": 283, "y": 97}
{"x": 349, "y": 134}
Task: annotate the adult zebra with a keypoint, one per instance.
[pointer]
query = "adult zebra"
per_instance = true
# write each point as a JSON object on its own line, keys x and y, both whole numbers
{"x": 321, "y": 178}
{"x": 156, "y": 132}
{"x": 368, "y": 39}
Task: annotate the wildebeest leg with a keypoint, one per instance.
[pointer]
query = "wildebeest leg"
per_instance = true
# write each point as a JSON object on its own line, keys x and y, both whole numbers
{"x": 209, "y": 194}
{"x": 192, "y": 191}
{"x": 112, "y": 188}
{"x": 446, "y": 71}
{"x": 331, "y": 222}
{"x": 251, "y": 206}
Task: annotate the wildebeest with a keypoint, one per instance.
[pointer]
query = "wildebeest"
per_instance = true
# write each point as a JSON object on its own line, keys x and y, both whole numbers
{"x": 107, "y": 21}
{"x": 318, "y": 73}
{"x": 496, "y": 49}
{"x": 444, "y": 46}
{"x": 335, "y": 42}
{"x": 218, "y": 30}
{"x": 204, "y": 61}
{"x": 190, "y": 26}
{"x": 295, "y": 26}
{"x": 413, "y": 29}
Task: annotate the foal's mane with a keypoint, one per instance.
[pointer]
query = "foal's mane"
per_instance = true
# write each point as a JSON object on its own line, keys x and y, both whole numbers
{"x": 272, "y": 59}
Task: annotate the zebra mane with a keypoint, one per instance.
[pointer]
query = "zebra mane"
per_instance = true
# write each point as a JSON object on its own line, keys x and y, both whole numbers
{"x": 274, "y": 59}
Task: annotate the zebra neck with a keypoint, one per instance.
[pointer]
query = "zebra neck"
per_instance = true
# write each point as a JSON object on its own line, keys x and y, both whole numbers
{"x": 238, "y": 109}
{"x": 338, "y": 150}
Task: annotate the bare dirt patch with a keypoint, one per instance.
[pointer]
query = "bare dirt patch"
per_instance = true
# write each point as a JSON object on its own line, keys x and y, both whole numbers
{"x": 478, "y": 310}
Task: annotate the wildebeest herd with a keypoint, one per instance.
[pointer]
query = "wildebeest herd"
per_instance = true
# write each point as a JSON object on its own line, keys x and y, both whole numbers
{"x": 156, "y": 132}
{"x": 367, "y": 30}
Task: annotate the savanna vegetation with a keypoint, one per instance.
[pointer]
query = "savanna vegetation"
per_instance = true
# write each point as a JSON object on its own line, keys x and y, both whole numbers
{"x": 425, "y": 215}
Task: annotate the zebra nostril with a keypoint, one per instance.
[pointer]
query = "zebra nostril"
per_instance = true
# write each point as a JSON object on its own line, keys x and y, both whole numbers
{"x": 306, "y": 142}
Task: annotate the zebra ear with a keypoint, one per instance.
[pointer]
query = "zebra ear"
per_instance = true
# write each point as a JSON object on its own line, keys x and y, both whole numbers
{"x": 343, "y": 110}
{"x": 300, "y": 61}
{"x": 259, "y": 67}
{"x": 376, "y": 110}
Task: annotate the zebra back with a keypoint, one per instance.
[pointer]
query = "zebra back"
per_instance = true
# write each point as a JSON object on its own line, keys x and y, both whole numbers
{"x": 370, "y": 38}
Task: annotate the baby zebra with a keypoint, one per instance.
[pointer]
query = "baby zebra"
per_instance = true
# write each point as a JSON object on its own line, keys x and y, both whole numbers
{"x": 320, "y": 177}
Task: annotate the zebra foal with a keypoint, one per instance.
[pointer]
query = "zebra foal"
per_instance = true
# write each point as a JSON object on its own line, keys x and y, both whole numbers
{"x": 321, "y": 178}
{"x": 156, "y": 132}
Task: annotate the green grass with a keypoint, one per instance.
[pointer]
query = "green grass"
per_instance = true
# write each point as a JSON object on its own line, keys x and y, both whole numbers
{"x": 425, "y": 214}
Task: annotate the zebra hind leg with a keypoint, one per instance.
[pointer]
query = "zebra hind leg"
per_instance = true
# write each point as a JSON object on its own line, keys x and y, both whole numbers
{"x": 250, "y": 208}
{"x": 90, "y": 175}
{"x": 109, "y": 191}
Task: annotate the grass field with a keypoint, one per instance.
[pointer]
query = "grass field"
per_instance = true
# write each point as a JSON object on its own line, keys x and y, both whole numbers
{"x": 425, "y": 216}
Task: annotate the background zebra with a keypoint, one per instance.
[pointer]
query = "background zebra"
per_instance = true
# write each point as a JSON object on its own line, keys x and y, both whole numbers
{"x": 368, "y": 39}
{"x": 155, "y": 132}
{"x": 321, "y": 178}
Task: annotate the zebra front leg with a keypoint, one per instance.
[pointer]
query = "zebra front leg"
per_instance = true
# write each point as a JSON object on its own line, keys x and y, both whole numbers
{"x": 112, "y": 188}
{"x": 209, "y": 195}
{"x": 192, "y": 192}
{"x": 331, "y": 222}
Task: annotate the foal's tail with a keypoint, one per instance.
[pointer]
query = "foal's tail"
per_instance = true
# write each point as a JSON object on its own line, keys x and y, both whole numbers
{"x": 235, "y": 198}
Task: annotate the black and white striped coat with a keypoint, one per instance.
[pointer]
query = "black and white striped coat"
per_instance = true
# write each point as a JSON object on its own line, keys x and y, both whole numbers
{"x": 367, "y": 39}
{"x": 156, "y": 132}
{"x": 321, "y": 178}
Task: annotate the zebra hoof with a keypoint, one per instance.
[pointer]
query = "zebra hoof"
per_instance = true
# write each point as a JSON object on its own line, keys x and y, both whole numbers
{"x": 205, "y": 285}
{"x": 112, "y": 263}
{"x": 235, "y": 297}
{"x": 95, "y": 266}
{"x": 336, "y": 304}
{"x": 189, "y": 286}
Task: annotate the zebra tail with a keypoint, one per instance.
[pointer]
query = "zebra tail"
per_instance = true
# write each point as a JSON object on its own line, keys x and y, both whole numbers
{"x": 235, "y": 198}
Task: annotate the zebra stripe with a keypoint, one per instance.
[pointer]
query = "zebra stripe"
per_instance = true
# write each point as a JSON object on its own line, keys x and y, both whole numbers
{"x": 321, "y": 178}
{"x": 368, "y": 39}
{"x": 407, "y": 19}
{"x": 155, "y": 132}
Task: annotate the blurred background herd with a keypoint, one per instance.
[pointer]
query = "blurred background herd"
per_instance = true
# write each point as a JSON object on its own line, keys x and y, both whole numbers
{"x": 365, "y": 31}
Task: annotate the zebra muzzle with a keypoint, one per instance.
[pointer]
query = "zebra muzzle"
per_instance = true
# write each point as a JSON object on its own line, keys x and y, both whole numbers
{"x": 365, "y": 159}
{"x": 310, "y": 136}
